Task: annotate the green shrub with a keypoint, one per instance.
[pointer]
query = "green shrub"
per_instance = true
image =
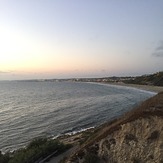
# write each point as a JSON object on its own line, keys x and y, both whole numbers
{"x": 4, "y": 158}
{"x": 36, "y": 150}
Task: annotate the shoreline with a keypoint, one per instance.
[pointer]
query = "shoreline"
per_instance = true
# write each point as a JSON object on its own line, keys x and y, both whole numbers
{"x": 76, "y": 134}
{"x": 77, "y": 137}
{"x": 73, "y": 132}
{"x": 82, "y": 136}
{"x": 147, "y": 88}
{"x": 150, "y": 88}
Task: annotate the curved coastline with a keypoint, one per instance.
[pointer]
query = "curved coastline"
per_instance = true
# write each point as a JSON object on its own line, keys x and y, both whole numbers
{"x": 154, "y": 90}
{"x": 115, "y": 85}
{"x": 131, "y": 142}
{"x": 144, "y": 88}
{"x": 148, "y": 88}
{"x": 75, "y": 136}
{"x": 79, "y": 135}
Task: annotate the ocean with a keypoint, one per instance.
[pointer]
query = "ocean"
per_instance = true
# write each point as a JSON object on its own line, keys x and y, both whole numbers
{"x": 33, "y": 109}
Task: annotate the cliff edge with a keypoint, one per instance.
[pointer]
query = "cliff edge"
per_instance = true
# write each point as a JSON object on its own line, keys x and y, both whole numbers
{"x": 137, "y": 137}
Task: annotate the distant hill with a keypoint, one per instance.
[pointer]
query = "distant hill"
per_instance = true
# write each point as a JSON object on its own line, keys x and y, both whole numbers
{"x": 153, "y": 79}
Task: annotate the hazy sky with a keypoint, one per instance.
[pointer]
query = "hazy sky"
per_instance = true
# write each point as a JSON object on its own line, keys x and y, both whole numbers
{"x": 80, "y": 38}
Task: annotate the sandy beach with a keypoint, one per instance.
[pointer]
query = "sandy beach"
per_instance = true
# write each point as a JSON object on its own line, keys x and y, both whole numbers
{"x": 151, "y": 88}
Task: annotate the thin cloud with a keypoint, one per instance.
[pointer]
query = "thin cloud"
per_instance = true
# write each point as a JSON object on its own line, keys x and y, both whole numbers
{"x": 160, "y": 47}
{"x": 158, "y": 54}
{"x": 158, "y": 50}
{"x": 5, "y": 72}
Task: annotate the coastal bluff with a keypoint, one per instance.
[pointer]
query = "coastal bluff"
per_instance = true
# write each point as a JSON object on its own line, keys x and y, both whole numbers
{"x": 136, "y": 137}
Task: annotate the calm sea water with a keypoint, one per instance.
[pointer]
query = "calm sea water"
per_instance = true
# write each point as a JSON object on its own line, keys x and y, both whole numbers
{"x": 33, "y": 109}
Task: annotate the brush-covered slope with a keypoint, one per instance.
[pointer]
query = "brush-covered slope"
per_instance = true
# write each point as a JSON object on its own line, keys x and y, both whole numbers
{"x": 136, "y": 137}
{"x": 153, "y": 79}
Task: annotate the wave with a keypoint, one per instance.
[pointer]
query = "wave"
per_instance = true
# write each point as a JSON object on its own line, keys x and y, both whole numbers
{"x": 73, "y": 132}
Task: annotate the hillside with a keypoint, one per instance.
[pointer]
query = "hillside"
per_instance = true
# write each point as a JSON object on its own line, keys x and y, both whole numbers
{"x": 153, "y": 79}
{"x": 136, "y": 137}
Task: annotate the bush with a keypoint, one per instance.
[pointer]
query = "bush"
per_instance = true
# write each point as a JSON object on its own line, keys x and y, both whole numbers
{"x": 36, "y": 150}
{"x": 131, "y": 137}
{"x": 154, "y": 135}
{"x": 91, "y": 158}
{"x": 136, "y": 160}
{"x": 4, "y": 158}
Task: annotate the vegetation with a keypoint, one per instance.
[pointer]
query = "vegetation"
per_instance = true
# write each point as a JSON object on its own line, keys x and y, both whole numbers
{"x": 130, "y": 137}
{"x": 136, "y": 160}
{"x": 37, "y": 150}
{"x": 153, "y": 79}
{"x": 91, "y": 158}
{"x": 4, "y": 158}
{"x": 154, "y": 136}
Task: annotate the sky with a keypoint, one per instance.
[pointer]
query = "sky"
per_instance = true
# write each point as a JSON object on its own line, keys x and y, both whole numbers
{"x": 80, "y": 38}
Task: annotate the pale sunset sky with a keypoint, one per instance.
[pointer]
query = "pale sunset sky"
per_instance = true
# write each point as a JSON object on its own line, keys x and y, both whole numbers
{"x": 80, "y": 38}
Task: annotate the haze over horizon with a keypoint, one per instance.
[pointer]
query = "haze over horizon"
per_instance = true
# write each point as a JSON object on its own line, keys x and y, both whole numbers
{"x": 65, "y": 39}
